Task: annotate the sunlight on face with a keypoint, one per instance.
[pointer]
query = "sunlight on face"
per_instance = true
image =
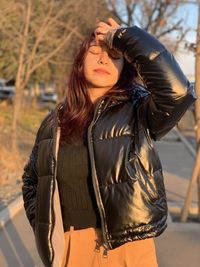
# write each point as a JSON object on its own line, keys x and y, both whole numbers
{"x": 102, "y": 66}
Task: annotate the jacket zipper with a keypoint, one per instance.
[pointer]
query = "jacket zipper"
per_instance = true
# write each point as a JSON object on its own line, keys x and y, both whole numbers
{"x": 97, "y": 113}
{"x": 56, "y": 147}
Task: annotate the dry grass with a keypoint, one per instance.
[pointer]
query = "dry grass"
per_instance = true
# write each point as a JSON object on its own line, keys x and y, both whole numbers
{"x": 11, "y": 164}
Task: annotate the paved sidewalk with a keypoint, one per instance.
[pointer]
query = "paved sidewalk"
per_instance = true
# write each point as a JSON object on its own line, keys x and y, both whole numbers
{"x": 17, "y": 246}
{"x": 178, "y": 246}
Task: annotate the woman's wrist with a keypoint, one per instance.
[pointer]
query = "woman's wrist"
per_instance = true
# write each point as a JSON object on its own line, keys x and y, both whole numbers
{"x": 110, "y": 36}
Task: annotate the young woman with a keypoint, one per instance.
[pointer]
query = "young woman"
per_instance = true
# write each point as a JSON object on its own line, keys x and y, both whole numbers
{"x": 93, "y": 187}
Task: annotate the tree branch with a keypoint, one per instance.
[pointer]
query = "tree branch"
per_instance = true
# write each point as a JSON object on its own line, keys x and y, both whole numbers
{"x": 45, "y": 59}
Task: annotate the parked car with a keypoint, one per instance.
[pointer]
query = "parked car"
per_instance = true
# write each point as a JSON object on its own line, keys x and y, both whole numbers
{"x": 7, "y": 91}
{"x": 48, "y": 97}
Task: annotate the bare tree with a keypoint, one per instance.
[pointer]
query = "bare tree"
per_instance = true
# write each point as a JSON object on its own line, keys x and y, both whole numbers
{"x": 86, "y": 14}
{"x": 155, "y": 16}
{"x": 196, "y": 169}
{"x": 35, "y": 34}
{"x": 36, "y": 40}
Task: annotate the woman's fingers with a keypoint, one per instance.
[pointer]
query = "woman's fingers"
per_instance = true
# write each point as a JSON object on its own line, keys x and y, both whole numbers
{"x": 99, "y": 36}
{"x": 103, "y": 25}
{"x": 113, "y": 23}
{"x": 99, "y": 39}
{"x": 103, "y": 28}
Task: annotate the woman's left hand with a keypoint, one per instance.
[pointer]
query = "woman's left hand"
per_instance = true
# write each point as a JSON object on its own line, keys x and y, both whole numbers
{"x": 103, "y": 28}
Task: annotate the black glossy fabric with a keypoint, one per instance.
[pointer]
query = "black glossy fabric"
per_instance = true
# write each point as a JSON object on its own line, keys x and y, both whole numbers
{"x": 125, "y": 167}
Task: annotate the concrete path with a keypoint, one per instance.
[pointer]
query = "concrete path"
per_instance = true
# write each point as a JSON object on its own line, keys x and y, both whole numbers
{"x": 17, "y": 244}
{"x": 178, "y": 246}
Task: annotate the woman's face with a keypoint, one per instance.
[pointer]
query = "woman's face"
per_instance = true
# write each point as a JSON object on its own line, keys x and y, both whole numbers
{"x": 102, "y": 66}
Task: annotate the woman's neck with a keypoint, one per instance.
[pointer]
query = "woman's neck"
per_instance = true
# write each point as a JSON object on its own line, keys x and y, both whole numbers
{"x": 96, "y": 93}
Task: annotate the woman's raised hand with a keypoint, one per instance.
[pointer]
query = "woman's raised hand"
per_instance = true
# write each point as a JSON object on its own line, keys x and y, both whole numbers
{"x": 103, "y": 28}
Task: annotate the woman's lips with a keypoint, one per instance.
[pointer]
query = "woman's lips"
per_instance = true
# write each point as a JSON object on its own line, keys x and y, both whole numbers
{"x": 101, "y": 71}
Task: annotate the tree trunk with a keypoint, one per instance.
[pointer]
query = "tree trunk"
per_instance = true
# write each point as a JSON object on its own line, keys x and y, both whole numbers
{"x": 196, "y": 169}
{"x": 19, "y": 85}
{"x": 197, "y": 104}
{"x": 193, "y": 182}
{"x": 16, "y": 116}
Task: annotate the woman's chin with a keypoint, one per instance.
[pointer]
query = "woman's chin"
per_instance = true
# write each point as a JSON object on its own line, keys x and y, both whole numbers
{"x": 100, "y": 84}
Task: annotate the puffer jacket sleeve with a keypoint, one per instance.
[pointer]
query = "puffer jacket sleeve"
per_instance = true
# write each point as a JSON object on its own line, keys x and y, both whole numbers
{"x": 170, "y": 93}
{"x": 30, "y": 177}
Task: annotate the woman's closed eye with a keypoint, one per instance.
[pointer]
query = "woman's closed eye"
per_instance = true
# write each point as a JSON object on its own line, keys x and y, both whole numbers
{"x": 96, "y": 50}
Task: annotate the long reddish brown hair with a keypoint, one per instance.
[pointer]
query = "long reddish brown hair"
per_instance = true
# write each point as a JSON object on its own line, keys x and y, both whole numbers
{"x": 78, "y": 109}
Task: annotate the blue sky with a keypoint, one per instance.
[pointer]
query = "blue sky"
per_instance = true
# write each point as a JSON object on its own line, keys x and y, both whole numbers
{"x": 187, "y": 59}
{"x": 190, "y": 12}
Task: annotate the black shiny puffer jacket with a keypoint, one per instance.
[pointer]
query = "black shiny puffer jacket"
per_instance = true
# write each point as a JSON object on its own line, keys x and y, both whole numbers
{"x": 126, "y": 170}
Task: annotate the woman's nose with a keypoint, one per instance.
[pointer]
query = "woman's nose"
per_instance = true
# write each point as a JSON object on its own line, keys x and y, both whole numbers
{"x": 103, "y": 58}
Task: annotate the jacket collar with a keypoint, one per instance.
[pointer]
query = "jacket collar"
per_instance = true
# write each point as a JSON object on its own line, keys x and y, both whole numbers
{"x": 134, "y": 93}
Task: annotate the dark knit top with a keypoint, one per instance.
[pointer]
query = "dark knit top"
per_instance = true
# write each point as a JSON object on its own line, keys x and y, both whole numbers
{"x": 78, "y": 203}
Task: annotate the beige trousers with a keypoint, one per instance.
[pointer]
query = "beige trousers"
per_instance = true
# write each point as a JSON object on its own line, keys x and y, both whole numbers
{"x": 82, "y": 251}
